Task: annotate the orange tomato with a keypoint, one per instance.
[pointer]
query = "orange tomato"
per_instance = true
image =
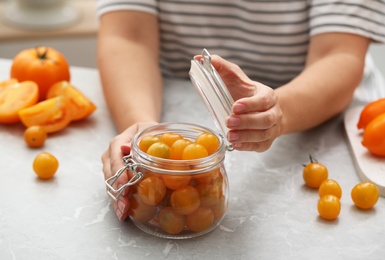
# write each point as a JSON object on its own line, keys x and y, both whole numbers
{"x": 147, "y": 141}
{"x": 51, "y": 114}
{"x": 365, "y": 195}
{"x": 170, "y": 138}
{"x": 140, "y": 211}
{"x": 152, "y": 190}
{"x": 43, "y": 65}
{"x": 80, "y": 105}
{"x": 200, "y": 220}
{"x": 314, "y": 174}
{"x": 45, "y": 165}
{"x": 371, "y": 111}
{"x": 210, "y": 193}
{"x": 15, "y": 97}
{"x": 219, "y": 209}
{"x": 160, "y": 150}
{"x": 170, "y": 221}
{"x": 185, "y": 200}
{"x": 374, "y": 136}
{"x": 329, "y": 207}
{"x": 177, "y": 148}
{"x": 209, "y": 141}
{"x": 330, "y": 187}
{"x": 35, "y": 136}
{"x": 175, "y": 182}
{"x": 207, "y": 177}
{"x": 194, "y": 151}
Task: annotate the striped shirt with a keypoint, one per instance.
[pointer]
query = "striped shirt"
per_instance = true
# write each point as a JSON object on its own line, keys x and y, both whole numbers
{"x": 268, "y": 39}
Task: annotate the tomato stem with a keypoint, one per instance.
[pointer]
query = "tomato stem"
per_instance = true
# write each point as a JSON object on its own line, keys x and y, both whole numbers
{"x": 42, "y": 56}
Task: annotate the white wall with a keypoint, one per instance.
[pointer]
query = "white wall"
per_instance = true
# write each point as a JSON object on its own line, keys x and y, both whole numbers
{"x": 378, "y": 53}
{"x": 79, "y": 51}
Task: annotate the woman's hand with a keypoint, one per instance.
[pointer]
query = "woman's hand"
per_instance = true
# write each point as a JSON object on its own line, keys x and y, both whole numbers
{"x": 257, "y": 117}
{"x": 120, "y": 146}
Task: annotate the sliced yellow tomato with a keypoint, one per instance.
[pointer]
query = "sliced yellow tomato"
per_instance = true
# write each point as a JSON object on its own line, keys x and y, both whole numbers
{"x": 52, "y": 114}
{"x": 14, "y": 97}
{"x": 7, "y": 82}
{"x": 81, "y": 106}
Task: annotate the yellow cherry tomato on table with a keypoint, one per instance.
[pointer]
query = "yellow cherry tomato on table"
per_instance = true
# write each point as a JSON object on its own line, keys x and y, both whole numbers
{"x": 365, "y": 195}
{"x": 314, "y": 174}
{"x": 330, "y": 187}
{"x": 329, "y": 207}
{"x": 45, "y": 165}
{"x": 35, "y": 136}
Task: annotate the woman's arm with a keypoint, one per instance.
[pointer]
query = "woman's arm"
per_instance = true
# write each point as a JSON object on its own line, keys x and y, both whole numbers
{"x": 128, "y": 50}
{"x": 334, "y": 68}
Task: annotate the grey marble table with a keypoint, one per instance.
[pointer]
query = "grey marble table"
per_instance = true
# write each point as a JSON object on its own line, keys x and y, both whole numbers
{"x": 271, "y": 215}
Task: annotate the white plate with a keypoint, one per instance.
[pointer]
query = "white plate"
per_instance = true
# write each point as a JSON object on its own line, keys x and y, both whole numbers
{"x": 369, "y": 167}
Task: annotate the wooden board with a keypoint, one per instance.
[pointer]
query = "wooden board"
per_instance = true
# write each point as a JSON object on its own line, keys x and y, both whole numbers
{"x": 369, "y": 167}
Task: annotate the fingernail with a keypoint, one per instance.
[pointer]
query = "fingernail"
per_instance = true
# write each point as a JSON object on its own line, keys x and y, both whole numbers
{"x": 121, "y": 206}
{"x": 119, "y": 214}
{"x": 237, "y": 145}
{"x": 233, "y": 136}
{"x": 233, "y": 121}
{"x": 238, "y": 108}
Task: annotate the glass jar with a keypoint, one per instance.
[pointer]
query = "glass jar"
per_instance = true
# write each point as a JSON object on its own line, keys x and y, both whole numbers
{"x": 175, "y": 198}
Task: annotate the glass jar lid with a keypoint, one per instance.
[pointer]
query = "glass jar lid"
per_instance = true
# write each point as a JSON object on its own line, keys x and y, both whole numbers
{"x": 213, "y": 91}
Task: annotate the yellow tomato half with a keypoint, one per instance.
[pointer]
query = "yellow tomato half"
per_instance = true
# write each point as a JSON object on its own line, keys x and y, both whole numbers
{"x": 52, "y": 114}
{"x": 80, "y": 105}
{"x": 14, "y": 97}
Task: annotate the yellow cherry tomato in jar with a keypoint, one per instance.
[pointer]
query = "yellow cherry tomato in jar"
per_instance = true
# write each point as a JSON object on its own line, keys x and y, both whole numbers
{"x": 147, "y": 141}
{"x": 170, "y": 138}
{"x": 209, "y": 141}
{"x": 170, "y": 221}
{"x": 200, "y": 220}
{"x": 160, "y": 150}
{"x": 194, "y": 151}
{"x": 185, "y": 200}
{"x": 152, "y": 190}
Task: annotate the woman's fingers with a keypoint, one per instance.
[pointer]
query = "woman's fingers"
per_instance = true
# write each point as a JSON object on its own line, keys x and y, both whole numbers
{"x": 119, "y": 147}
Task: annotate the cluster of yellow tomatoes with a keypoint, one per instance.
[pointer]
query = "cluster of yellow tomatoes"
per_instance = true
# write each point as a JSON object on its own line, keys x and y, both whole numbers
{"x": 179, "y": 202}
{"x": 39, "y": 94}
{"x": 372, "y": 121}
{"x": 364, "y": 195}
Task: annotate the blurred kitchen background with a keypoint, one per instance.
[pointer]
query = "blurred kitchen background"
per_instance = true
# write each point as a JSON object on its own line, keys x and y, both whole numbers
{"x": 71, "y": 29}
